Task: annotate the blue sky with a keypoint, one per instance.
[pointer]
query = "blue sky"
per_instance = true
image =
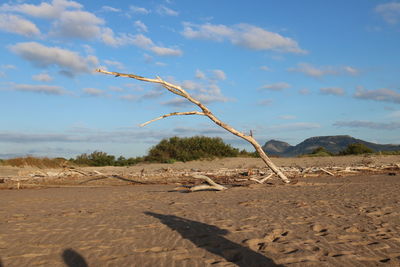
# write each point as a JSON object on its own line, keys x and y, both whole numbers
{"x": 286, "y": 70}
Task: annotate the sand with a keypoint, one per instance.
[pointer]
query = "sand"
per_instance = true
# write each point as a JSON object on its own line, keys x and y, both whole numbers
{"x": 321, "y": 221}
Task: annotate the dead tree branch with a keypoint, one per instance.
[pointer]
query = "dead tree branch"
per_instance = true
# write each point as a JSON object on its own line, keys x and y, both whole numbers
{"x": 173, "y": 114}
{"x": 175, "y": 89}
{"x": 262, "y": 179}
{"x": 211, "y": 184}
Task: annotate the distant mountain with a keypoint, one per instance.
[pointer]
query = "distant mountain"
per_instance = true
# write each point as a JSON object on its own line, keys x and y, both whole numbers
{"x": 333, "y": 144}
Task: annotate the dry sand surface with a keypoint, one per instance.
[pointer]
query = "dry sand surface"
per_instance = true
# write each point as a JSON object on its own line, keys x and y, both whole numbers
{"x": 320, "y": 221}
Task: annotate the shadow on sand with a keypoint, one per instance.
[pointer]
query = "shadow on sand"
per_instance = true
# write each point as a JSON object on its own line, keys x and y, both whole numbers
{"x": 211, "y": 238}
{"x": 73, "y": 258}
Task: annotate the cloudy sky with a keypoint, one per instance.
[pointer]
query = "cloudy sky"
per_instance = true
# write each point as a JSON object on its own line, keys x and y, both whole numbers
{"x": 286, "y": 70}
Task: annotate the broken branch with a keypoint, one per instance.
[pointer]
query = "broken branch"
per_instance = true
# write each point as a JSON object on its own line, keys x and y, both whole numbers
{"x": 263, "y": 179}
{"x": 211, "y": 184}
{"x": 173, "y": 114}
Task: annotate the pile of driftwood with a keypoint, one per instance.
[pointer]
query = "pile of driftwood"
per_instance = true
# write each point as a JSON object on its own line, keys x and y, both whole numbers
{"x": 192, "y": 178}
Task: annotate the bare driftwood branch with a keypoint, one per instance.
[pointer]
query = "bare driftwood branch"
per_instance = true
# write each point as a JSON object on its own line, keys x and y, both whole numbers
{"x": 263, "y": 179}
{"x": 173, "y": 114}
{"x": 328, "y": 172}
{"x": 206, "y": 112}
{"x": 211, "y": 184}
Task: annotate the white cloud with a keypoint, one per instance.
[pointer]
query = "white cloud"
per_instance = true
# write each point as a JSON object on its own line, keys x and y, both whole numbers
{"x": 256, "y": 38}
{"x": 176, "y": 101}
{"x": 350, "y": 70}
{"x": 44, "y": 56}
{"x": 142, "y": 41}
{"x": 265, "y": 102}
{"x": 93, "y": 91}
{"x": 276, "y": 86}
{"x": 138, "y": 40}
{"x": 310, "y": 70}
{"x": 110, "y": 9}
{"x": 139, "y": 10}
{"x": 245, "y": 35}
{"x": 114, "y": 63}
{"x": 45, "y": 89}
{"x": 287, "y": 117}
{"x": 8, "y": 67}
{"x": 160, "y": 64}
{"x": 207, "y": 31}
{"x": 108, "y": 37}
{"x": 316, "y": 72}
{"x": 129, "y": 97}
{"x": 155, "y": 93}
{"x": 163, "y": 10}
{"x": 192, "y": 85}
{"x": 213, "y": 75}
{"x": 200, "y": 75}
{"x": 304, "y": 91}
{"x": 395, "y": 114}
{"x": 369, "y": 125}
{"x": 88, "y": 49}
{"x": 77, "y": 24}
{"x": 18, "y": 25}
{"x": 332, "y": 91}
{"x": 390, "y": 12}
{"x": 165, "y": 51}
{"x": 203, "y": 89}
{"x": 115, "y": 88}
{"x": 42, "y": 77}
{"x": 45, "y": 10}
{"x": 211, "y": 98}
{"x": 140, "y": 26}
{"x": 265, "y": 68}
{"x": 383, "y": 94}
{"x": 219, "y": 75}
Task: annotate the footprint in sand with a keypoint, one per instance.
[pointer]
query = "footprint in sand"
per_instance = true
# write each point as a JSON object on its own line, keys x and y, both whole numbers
{"x": 320, "y": 229}
{"x": 260, "y": 243}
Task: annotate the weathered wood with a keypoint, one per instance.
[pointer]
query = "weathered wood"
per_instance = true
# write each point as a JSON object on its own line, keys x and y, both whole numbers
{"x": 328, "y": 172}
{"x": 211, "y": 184}
{"x": 262, "y": 179}
{"x": 175, "y": 89}
{"x": 172, "y": 114}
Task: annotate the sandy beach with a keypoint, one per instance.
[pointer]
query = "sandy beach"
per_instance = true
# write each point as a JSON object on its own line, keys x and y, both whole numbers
{"x": 320, "y": 221}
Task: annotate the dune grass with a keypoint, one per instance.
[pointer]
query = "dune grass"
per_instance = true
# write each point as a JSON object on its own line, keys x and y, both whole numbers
{"x": 35, "y": 162}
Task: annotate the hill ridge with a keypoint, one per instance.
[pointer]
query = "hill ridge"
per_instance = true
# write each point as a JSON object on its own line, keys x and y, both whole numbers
{"x": 332, "y": 143}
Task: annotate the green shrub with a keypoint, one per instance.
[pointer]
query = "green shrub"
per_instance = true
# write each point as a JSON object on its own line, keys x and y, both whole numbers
{"x": 190, "y": 148}
{"x": 321, "y": 152}
{"x": 356, "y": 149}
{"x": 96, "y": 158}
{"x": 245, "y": 153}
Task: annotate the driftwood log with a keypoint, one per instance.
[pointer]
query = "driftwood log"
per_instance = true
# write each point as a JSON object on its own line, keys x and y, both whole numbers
{"x": 176, "y": 89}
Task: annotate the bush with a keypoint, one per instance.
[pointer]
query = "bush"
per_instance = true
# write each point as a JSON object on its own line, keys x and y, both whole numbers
{"x": 190, "y": 148}
{"x": 321, "y": 152}
{"x": 97, "y": 158}
{"x": 245, "y": 153}
{"x": 356, "y": 149}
